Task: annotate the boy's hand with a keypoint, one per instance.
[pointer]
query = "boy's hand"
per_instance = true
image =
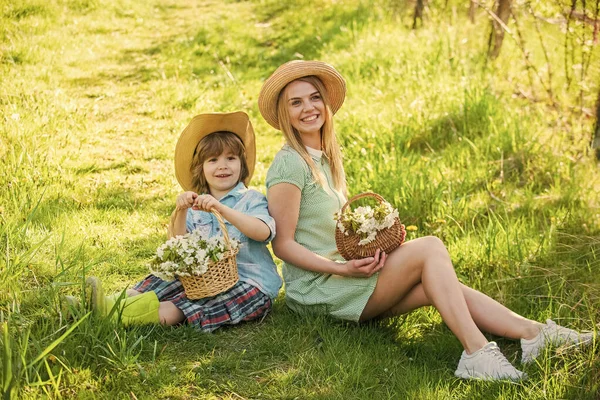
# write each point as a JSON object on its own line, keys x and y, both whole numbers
{"x": 206, "y": 202}
{"x": 185, "y": 200}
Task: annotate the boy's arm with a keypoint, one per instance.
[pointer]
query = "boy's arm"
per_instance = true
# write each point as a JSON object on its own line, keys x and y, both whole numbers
{"x": 177, "y": 225}
{"x": 249, "y": 225}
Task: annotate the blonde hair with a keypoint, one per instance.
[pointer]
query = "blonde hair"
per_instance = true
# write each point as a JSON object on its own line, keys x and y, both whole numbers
{"x": 329, "y": 144}
{"x": 214, "y": 145}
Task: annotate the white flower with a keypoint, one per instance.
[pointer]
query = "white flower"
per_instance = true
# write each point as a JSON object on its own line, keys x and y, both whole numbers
{"x": 189, "y": 254}
{"x": 200, "y": 255}
{"x": 366, "y": 221}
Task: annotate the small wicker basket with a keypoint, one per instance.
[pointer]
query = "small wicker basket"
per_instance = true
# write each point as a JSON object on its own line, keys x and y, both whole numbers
{"x": 386, "y": 240}
{"x": 219, "y": 276}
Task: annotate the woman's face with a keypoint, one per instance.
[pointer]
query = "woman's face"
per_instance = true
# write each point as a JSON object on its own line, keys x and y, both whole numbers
{"x": 305, "y": 106}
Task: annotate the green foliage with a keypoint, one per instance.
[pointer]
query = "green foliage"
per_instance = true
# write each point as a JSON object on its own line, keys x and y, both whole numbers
{"x": 93, "y": 97}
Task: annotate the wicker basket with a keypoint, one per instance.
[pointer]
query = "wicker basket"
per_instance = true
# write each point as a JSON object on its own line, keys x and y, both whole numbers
{"x": 219, "y": 276}
{"x": 386, "y": 240}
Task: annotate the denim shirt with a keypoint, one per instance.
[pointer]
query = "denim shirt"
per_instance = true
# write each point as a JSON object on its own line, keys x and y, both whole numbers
{"x": 255, "y": 264}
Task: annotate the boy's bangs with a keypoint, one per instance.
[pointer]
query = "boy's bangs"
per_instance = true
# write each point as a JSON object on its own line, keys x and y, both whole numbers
{"x": 216, "y": 143}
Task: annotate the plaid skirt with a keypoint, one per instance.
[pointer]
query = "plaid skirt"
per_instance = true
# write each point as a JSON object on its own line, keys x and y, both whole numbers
{"x": 243, "y": 302}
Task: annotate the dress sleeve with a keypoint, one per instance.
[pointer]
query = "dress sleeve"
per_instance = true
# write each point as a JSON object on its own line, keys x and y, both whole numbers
{"x": 257, "y": 207}
{"x": 287, "y": 167}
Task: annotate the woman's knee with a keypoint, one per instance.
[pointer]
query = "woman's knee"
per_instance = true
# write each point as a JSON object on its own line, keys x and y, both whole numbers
{"x": 435, "y": 252}
{"x": 434, "y": 245}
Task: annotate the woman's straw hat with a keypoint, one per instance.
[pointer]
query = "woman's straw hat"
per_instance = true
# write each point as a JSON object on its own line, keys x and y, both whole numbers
{"x": 203, "y": 125}
{"x": 292, "y": 70}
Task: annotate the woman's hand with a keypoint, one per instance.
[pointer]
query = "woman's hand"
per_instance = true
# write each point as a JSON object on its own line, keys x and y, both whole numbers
{"x": 206, "y": 202}
{"x": 185, "y": 200}
{"x": 365, "y": 267}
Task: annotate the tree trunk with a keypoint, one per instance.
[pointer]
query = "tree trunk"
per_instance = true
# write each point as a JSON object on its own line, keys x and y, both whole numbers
{"x": 596, "y": 137}
{"x": 497, "y": 34}
{"x": 418, "y": 13}
{"x": 472, "y": 8}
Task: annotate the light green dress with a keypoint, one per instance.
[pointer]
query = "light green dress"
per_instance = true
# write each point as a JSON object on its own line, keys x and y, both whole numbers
{"x": 308, "y": 291}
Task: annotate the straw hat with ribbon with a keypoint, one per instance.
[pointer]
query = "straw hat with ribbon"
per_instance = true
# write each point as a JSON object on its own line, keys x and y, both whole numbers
{"x": 203, "y": 125}
{"x": 292, "y": 70}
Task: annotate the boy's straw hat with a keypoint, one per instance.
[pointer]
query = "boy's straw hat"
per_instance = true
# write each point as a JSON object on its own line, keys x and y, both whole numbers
{"x": 203, "y": 125}
{"x": 292, "y": 70}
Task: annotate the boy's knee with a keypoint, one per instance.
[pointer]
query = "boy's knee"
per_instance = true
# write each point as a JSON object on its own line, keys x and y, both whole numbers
{"x": 132, "y": 292}
{"x": 169, "y": 314}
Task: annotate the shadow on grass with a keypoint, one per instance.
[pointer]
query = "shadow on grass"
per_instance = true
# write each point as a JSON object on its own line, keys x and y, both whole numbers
{"x": 285, "y": 356}
{"x": 469, "y": 120}
{"x": 314, "y": 358}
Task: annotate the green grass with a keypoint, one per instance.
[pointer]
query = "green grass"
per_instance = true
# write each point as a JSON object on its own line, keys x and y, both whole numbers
{"x": 93, "y": 96}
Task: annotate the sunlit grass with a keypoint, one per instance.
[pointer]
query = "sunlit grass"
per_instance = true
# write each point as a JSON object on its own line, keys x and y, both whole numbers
{"x": 93, "y": 97}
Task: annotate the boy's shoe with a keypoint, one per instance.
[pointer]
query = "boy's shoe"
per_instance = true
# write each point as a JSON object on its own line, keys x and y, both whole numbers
{"x": 94, "y": 299}
{"x": 70, "y": 306}
{"x": 138, "y": 310}
{"x": 553, "y": 334}
{"x": 95, "y": 296}
{"x": 487, "y": 363}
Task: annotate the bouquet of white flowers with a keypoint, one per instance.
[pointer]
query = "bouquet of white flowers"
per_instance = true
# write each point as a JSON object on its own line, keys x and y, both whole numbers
{"x": 366, "y": 221}
{"x": 205, "y": 266}
{"x": 360, "y": 232}
{"x": 189, "y": 254}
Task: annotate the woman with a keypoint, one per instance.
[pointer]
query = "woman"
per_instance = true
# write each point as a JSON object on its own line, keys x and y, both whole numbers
{"x": 306, "y": 186}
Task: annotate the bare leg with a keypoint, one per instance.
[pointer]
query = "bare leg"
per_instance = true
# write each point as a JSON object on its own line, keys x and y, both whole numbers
{"x": 495, "y": 318}
{"x": 169, "y": 314}
{"x": 425, "y": 261}
{"x": 132, "y": 292}
{"x": 489, "y": 315}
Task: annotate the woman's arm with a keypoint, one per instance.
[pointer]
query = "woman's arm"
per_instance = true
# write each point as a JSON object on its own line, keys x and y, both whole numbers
{"x": 284, "y": 207}
{"x": 250, "y": 226}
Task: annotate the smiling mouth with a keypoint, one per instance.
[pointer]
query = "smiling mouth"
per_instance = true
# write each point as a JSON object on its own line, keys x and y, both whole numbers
{"x": 223, "y": 176}
{"x": 310, "y": 119}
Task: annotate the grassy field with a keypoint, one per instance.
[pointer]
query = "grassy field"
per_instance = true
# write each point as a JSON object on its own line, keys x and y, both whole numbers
{"x": 94, "y": 94}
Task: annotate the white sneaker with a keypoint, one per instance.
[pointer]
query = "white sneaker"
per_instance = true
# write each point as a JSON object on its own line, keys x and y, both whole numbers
{"x": 552, "y": 334}
{"x": 487, "y": 363}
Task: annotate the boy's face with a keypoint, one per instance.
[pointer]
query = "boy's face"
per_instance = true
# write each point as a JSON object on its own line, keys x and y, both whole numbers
{"x": 222, "y": 173}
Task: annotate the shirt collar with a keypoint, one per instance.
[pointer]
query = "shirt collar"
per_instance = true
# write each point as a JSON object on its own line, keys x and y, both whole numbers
{"x": 314, "y": 153}
{"x": 236, "y": 192}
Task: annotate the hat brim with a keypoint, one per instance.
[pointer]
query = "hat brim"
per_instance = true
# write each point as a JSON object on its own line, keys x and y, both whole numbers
{"x": 203, "y": 125}
{"x": 269, "y": 94}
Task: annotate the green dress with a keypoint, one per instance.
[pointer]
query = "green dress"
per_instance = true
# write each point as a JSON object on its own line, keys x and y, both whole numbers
{"x": 308, "y": 291}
